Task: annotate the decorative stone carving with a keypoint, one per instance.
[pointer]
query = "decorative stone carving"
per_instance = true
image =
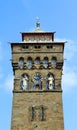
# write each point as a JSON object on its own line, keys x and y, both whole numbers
{"x": 37, "y": 81}
{"x": 50, "y": 81}
{"x": 24, "y": 83}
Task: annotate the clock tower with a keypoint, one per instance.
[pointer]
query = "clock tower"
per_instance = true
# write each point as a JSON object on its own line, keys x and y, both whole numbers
{"x": 37, "y": 63}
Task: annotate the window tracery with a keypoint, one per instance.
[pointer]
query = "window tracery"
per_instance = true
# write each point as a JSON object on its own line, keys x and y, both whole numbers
{"x": 37, "y": 112}
{"x": 37, "y": 63}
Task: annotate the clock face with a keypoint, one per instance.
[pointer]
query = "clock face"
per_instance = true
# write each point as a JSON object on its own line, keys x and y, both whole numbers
{"x": 37, "y": 77}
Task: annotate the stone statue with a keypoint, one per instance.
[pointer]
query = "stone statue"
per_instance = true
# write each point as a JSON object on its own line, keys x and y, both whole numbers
{"x": 24, "y": 81}
{"x": 50, "y": 82}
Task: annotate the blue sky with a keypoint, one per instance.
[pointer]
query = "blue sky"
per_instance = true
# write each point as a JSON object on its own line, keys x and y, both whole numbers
{"x": 55, "y": 15}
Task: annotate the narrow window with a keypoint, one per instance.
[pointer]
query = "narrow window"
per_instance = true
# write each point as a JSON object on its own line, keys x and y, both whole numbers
{"x": 37, "y": 60}
{"x": 29, "y": 63}
{"x": 53, "y": 62}
{"x": 21, "y": 63}
{"x": 42, "y": 113}
{"x": 45, "y": 62}
{"x": 33, "y": 113}
{"x": 47, "y": 38}
{"x": 42, "y": 38}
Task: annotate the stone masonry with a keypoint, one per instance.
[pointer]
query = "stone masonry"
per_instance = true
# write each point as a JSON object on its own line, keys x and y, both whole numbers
{"x": 36, "y": 108}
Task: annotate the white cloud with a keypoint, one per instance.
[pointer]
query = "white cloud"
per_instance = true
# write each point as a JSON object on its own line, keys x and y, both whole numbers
{"x": 5, "y": 82}
{"x": 70, "y": 49}
{"x": 69, "y": 79}
{"x": 8, "y": 85}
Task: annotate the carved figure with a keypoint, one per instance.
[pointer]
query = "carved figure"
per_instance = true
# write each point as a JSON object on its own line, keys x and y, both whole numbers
{"x": 50, "y": 81}
{"x": 24, "y": 81}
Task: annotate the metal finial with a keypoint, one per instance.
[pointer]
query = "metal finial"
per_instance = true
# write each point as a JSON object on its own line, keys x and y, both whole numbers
{"x": 37, "y": 23}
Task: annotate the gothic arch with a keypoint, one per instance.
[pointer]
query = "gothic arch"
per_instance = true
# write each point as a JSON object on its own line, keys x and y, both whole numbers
{"x": 45, "y": 62}
{"x": 21, "y": 63}
{"x": 29, "y": 62}
{"x": 53, "y": 62}
{"x": 37, "y": 60}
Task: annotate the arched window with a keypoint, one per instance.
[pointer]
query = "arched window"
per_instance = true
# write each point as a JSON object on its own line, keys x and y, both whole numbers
{"x": 29, "y": 63}
{"x": 45, "y": 62}
{"x": 21, "y": 63}
{"x": 37, "y": 60}
{"x": 24, "y": 82}
{"x": 50, "y": 81}
{"x": 53, "y": 62}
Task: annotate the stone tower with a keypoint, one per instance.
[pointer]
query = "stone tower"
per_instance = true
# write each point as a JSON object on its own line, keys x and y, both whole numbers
{"x": 37, "y": 94}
